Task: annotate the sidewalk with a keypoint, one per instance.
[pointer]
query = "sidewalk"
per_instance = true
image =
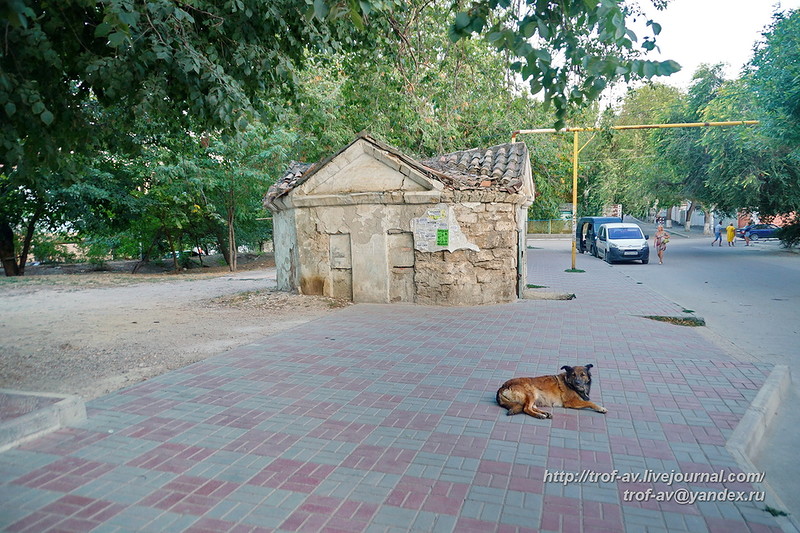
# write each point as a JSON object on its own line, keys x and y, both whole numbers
{"x": 382, "y": 418}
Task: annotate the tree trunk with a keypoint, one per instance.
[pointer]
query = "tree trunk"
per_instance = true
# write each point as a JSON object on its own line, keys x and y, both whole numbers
{"x": 231, "y": 230}
{"x": 708, "y": 222}
{"x": 689, "y": 211}
{"x": 7, "y": 254}
{"x": 172, "y": 249}
{"x": 222, "y": 245}
{"x": 668, "y": 222}
{"x": 26, "y": 244}
{"x": 231, "y": 242}
{"x": 146, "y": 255}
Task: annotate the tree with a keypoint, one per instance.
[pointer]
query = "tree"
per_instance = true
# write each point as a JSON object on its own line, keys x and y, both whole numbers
{"x": 77, "y": 75}
{"x": 758, "y": 169}
{"x": 427, "y": 95}
{"x": 623, "y": 167}
{"x": 237, "y": 172}
{"x": 680, "y": 149}
{"x": 570, "y": 50}
{"x": 773, "y": 79}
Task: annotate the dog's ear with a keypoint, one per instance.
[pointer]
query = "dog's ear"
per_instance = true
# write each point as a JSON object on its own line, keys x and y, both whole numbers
{"x": 569, "y": 369}
{"x": 587, "y": 367}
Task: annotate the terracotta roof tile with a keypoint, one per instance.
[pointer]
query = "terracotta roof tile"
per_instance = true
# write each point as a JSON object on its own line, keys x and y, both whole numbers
{"x": 499, "y": 168}
{"x": 502, "y": 165}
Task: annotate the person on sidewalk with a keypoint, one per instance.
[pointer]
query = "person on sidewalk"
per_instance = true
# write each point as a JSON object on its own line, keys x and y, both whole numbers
{"x": 660, "y": 240}
{"x": 731, "y": 235}
{"x": 717, "y": 234}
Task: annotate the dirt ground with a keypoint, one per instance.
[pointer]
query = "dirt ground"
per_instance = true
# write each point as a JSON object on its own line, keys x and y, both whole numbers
{"x": 74, "y": 330}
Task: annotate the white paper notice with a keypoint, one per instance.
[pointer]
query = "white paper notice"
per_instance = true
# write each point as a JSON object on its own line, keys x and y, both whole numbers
{"x": 438, "y": 230}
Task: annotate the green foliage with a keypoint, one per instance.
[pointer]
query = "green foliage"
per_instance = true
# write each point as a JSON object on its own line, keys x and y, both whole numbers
{"x": 48, "y": 248}
{"x": 680, "y": 149}
{"x": 773, "y": 79}
{"x": 625, "y": 167}
{"x": 81, "y": 81}
{"x": 727, "y": 169}
{"x": 790, "y": 233}
{"x": 420, "y": 92}
{"x": 570, "y": 51}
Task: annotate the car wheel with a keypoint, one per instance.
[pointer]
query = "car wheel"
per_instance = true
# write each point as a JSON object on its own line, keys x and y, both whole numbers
{"x": 754, "y": 236}
{"x": 607, "y": 258}
{"x": 645, "y": 261}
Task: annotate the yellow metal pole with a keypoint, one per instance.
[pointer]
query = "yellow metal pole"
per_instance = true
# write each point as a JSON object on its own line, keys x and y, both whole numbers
{"x": 515, "y": 134}
{"x": 574, "y": 196}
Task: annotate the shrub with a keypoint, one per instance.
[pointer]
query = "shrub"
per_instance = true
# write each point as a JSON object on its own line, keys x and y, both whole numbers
{"x": 790, "y": 234}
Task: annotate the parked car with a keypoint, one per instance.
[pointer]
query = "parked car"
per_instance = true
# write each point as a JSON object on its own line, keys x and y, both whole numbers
{"x": 586, "y": 232}
{"x": 758, "y": 231}
{"x": 622, "y": 242}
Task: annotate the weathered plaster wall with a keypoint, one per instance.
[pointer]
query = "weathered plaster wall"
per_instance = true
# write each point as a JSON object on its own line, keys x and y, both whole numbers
{"x": 374, "y": 233}
{"x": 286, "y": 254}
{"x": 384, "y": 268}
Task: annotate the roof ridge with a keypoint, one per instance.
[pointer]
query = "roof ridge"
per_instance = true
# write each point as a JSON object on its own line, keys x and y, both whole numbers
{"x": 496, "y": 167}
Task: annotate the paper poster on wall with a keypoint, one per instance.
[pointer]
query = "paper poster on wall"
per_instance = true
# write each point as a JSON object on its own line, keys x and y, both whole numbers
{"x": 439, "y": 230}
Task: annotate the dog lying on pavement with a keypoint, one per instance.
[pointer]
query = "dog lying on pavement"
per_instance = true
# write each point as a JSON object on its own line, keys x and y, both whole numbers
{"x": 568, "y": 389}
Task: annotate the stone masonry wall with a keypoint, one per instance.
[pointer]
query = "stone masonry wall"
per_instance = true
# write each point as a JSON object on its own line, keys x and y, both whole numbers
{"x": 467, "y": 277}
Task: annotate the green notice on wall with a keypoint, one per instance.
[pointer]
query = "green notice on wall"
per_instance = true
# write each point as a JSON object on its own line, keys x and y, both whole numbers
{"x": 442, "y": 237}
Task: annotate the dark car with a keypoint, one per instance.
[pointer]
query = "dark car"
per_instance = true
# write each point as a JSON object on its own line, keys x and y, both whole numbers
{"x": 586, "y": 233}
{"x": 758, "y": 231}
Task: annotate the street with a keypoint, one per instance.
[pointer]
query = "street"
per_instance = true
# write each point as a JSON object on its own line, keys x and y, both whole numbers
{"x": 747, "y": 294}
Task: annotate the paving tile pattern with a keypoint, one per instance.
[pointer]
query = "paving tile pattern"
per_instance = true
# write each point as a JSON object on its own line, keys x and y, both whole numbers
{"x": 382, "y": 418}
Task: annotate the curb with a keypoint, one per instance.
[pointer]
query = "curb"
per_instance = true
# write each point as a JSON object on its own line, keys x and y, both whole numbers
{"x": 746, "y": 438}
{"x": 61, "y": 411}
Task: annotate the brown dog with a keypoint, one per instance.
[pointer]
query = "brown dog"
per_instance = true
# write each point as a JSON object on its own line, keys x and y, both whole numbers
{"x": 568, "y": 389}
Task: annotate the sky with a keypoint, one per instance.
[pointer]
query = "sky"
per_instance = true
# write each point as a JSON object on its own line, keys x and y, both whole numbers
{"x": 710, "y": 31}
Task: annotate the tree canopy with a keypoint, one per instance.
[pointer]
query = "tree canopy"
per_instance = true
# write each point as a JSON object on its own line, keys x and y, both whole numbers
{"x": 727, "y": 170}
{"x": 569, "y": 50}
{"x": 158, "y": 124}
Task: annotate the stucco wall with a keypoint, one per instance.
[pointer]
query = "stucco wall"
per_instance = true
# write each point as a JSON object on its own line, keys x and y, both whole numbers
{"x": 285, "y": 241}
{"x": 382, "y": 267}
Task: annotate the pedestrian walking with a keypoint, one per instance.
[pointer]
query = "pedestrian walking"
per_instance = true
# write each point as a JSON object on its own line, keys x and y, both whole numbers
{"x": 660, "y": 240}
{"x": 717, "y": 234}
{"x": 731, "y": 234}
{"x": 747, "y": 232}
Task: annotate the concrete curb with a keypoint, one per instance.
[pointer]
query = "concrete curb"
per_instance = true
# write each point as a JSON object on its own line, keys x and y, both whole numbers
{"x": 529, "y": 294}
{"x": 745, "y": 440}
{"x": 63, "y": 410}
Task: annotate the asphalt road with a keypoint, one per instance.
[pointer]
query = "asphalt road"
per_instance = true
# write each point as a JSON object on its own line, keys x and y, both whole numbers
{"x": 748, "y": 295}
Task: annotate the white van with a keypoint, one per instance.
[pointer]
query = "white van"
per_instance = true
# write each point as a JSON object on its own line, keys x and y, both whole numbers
{"x": 622, "y": 241}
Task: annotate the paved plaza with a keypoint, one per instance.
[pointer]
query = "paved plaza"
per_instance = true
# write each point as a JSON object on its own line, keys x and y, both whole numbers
{"x": 383, "y": 418}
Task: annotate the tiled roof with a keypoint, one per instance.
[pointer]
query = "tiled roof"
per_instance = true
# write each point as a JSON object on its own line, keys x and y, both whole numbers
{"x": 289, "y": 180}
{"x": 498, "y": 168}
{"x": 501, "y": 167}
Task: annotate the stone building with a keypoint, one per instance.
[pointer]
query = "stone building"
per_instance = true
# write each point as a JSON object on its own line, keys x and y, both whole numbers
{"x": 371, "y": 224}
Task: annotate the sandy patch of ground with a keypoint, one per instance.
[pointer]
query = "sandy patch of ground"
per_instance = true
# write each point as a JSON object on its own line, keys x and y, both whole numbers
{"x": 91, "y": 333}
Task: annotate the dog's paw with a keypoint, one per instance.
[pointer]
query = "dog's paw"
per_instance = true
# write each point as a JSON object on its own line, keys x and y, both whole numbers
{"x": 545, "y": 415}
{"x": 602, "y": 410}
